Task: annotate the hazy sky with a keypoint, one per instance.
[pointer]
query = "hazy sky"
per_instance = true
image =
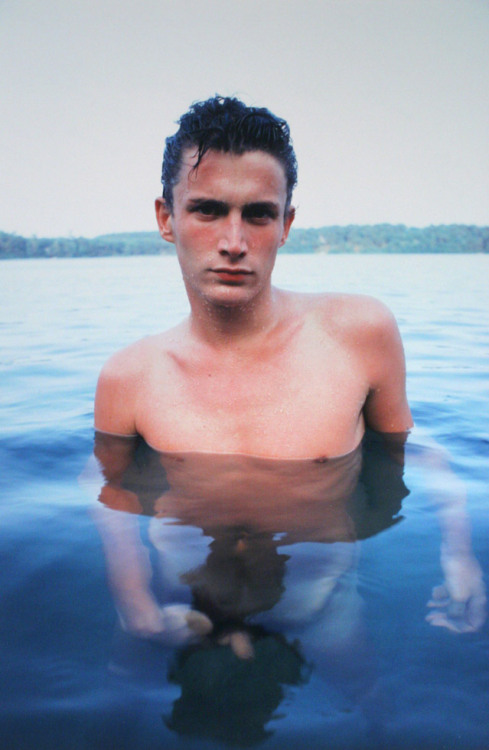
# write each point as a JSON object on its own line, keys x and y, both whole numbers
{"x": 388, "y": 103}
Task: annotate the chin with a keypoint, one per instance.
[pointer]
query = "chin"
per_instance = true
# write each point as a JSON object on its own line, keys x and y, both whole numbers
{"x": 224, "y": 295}
{"x": 229, "y": 294}
{"x": 230, "y": 298}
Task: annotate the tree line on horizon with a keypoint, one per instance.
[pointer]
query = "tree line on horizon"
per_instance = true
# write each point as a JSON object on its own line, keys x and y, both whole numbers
{"x": 377, "y": 238}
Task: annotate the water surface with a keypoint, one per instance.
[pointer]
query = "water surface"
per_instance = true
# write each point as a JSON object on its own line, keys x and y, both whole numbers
{"x": 362, "y": 668}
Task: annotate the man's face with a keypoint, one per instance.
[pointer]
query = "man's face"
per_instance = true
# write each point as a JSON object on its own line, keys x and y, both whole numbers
{"x": 227, "y": 224}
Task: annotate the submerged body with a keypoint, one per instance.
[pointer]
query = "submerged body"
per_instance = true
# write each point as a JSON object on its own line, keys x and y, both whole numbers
{"x": 242, "y": 540}
{"x": 233, "y": 533}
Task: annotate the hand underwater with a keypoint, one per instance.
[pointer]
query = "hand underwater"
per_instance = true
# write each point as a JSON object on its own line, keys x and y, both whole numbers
{"x": 174, "y": 624}
{"x": 459, "y": 604}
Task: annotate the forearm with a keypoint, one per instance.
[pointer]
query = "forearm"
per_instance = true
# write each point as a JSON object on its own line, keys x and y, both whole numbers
{"x": 127, "y": 560}
{"x": 446, "y": 492}
{"x": 459, "y": 603}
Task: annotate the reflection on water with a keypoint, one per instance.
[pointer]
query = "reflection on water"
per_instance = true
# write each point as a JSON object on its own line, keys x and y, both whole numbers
{"x": 228, "y": 699}
{"x": 246, "y": 569}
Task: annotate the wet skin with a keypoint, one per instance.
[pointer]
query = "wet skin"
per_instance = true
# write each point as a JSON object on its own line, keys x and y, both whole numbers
{"x": 254, "y": 370}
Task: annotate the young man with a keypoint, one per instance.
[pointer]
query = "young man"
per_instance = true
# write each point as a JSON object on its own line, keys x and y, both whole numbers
{"x": 254, "y": 370}
{"x": 254, "y": 373}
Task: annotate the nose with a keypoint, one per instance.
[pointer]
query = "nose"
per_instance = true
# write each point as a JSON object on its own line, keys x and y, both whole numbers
{"x": 232, "y": 243}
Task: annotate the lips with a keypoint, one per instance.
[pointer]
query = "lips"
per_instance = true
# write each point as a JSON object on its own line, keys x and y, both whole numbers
{"x": 231, "y": 274}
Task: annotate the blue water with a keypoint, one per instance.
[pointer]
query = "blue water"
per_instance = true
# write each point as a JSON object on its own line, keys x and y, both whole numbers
{"x": 399, "y": 683}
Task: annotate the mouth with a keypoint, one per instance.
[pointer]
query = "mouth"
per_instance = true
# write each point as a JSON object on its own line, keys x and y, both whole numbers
{"x": 233, "y": 275}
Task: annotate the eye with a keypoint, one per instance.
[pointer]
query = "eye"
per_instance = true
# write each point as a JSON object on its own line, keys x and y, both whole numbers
{"x": 259, "y": 213}
{"x": 208, "y": 208}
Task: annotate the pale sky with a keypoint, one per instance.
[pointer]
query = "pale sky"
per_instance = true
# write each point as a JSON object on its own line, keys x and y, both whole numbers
{"x": 388, "y": 103}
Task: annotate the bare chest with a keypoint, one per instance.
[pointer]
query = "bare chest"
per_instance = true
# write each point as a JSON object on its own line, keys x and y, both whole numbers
{"x": 304, "y": 402}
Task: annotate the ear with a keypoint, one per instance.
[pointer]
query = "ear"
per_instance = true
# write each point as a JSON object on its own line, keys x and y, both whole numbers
{"x": 287, "y": 224}
{"x": 164, "y": 220}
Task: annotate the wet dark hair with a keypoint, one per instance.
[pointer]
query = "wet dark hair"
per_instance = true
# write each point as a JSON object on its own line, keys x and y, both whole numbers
{"x": 226, "y": 124}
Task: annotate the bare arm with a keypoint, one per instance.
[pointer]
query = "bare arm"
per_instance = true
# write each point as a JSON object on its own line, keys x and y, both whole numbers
{"x": 459, "y": 603}
{"x": 386, "y": 408}
{"x": 115, "y": 514}
{"x": 116, "y": 394}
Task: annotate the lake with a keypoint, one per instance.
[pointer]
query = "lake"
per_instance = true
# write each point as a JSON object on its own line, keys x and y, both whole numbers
{"x": 321, "y": 638}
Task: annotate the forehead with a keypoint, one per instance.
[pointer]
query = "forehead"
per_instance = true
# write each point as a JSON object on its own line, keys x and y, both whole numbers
{"x": 220, "y": 174}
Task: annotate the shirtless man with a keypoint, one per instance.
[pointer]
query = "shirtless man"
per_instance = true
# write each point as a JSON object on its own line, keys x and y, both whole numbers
{"x": 254, "y": 370}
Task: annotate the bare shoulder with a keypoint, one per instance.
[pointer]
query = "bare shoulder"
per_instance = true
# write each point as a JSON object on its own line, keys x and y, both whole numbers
{"x": 120, "y": 383}
{"x": 367, "y": 327}
{"x": 357, "y": 317}
{"x": 131, "y": 362}
{"x": 123, "y": 368}
{"x": 366, "y": 331}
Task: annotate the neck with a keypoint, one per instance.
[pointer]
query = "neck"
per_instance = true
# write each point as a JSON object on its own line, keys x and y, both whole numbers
{"x": 224, "y": 324}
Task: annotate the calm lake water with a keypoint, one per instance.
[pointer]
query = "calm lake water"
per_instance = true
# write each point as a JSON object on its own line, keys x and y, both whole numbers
{"x": 330, "y": 600}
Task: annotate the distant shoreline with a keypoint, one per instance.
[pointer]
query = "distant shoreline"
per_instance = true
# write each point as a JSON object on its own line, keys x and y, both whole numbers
{"x": 351, "y": 239}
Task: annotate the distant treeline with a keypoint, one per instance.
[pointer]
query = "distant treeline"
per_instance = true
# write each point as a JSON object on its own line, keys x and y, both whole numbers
{"x": 379, "y": 238}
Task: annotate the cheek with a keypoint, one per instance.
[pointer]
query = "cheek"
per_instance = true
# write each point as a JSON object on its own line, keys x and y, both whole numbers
{"x": 265, "y": 244}
{"x": 197, "y": 238}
